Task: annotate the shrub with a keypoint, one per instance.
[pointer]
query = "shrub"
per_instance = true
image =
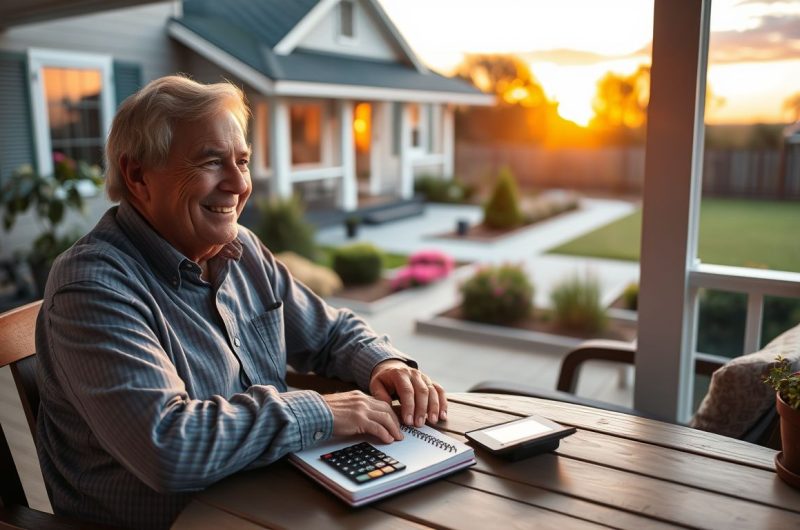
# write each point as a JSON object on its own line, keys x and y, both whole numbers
{"x": 319, "y": 279}
{"x": 630, "y": 297}
{"x": 438, "y": 189}
{"x": 358, "y": 264}
{"x": 424, "y": 267}
{"x": 498, "y": 295}
{"x": 282, "y": 227}
{"x": 576, "y": 304}
{"x": 502, "y": 210}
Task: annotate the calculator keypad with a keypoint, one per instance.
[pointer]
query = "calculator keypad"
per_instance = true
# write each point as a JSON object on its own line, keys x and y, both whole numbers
{"x": 362, "y": 462}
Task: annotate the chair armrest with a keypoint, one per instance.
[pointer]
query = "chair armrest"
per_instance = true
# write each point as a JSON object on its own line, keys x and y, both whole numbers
{"x": 318, "y": 383}
{"x": 22, "y": 517}
{"x": 592, "y": 350}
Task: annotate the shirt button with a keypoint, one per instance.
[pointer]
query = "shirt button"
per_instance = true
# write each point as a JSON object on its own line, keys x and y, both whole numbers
{"x": 318, "y": 435}
{"x": 237, "y": 342}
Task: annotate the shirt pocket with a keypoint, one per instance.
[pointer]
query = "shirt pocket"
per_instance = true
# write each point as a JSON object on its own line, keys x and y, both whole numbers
{"x": 269, "y": 329}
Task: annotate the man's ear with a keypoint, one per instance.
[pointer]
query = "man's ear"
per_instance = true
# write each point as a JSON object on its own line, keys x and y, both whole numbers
{"x": 133, "y": 174}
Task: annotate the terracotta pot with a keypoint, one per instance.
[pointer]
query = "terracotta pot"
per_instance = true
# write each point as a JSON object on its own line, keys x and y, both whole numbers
{"x": 790, "y": 435}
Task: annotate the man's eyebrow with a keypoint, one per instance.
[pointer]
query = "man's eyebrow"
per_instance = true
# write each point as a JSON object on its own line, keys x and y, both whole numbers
{"x": 211, "y": 152}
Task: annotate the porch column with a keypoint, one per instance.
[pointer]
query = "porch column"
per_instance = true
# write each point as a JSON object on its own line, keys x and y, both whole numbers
{"x": 671, "y": 198}
{"x": 349, "y": 196}
{"x": 280, "y": 149}
{"x": 377, "y": 145}
{"x": 448, "y": 141}
{"x": 406, "y": 170}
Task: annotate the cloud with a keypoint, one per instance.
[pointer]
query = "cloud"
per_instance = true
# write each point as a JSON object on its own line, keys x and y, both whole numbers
{"x": 774, "y": 39}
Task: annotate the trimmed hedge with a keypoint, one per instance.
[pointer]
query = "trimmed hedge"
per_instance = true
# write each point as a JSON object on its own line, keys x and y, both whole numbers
{"x": 283, "y": 227}
{"x": 358, "y": 264}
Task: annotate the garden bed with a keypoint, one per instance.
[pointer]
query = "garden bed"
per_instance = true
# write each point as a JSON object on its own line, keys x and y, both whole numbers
{"x": 536, "y": 211}
{"x": 538, "y": 332}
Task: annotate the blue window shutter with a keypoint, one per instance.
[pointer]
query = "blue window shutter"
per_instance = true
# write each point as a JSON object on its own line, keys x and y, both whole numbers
{"x": 397, "y": 116}
{"x": 127, "y": 79}
{"x": 16, "y": 122}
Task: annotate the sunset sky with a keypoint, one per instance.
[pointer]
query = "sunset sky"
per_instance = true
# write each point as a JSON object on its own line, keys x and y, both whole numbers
{"x": 570, "y": 44}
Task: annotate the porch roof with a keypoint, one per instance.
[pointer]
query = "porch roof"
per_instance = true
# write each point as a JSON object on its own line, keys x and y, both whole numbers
{"x": 300, "y": 69}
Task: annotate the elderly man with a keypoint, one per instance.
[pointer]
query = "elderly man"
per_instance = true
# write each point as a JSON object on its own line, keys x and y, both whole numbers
{"x": 165, "y": 332}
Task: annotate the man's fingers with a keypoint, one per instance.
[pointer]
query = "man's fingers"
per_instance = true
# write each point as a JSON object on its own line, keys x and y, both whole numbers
{"x": 405, "y": 393}
{"x": 433, "y": 403}
{"x": 378, "y": 391}
{"x": 442, "y": 401}
{"x": 421, "y": 393}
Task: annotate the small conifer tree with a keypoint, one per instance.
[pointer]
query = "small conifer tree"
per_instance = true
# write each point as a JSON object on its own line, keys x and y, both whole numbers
{"x": 502, "y": 211}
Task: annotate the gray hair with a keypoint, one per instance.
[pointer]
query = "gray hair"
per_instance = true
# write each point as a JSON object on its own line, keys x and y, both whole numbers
{"x": 143, "y": 126}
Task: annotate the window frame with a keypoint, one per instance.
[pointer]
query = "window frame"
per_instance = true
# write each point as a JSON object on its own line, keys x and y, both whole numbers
{"x": 38, "y": 59}
{"x": 340, "y": 35}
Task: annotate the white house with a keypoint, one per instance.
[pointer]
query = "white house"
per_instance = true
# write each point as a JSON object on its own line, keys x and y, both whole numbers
{"x": 344, "y": 111}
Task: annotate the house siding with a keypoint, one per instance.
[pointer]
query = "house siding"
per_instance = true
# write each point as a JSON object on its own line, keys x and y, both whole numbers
{"x": 370, "y": 40}
{"x": 135, "y": 34}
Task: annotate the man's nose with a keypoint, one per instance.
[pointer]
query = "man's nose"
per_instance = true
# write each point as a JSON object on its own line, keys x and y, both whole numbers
{"x": 237, "y": 179}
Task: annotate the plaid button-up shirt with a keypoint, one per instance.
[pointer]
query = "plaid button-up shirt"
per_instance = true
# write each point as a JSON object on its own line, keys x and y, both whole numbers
{"x": 155, "y": 383}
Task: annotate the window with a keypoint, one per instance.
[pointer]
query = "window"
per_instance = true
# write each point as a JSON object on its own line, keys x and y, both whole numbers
{"x": 347, "y": 23}
{"x": 72, "y": 103}
{"x": 418, "y": 121}
{"x": 306, "y": 126}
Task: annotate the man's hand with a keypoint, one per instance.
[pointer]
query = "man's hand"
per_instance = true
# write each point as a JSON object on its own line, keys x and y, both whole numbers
{"x": 357, "y": 413}
{"x": 420, "y": 398}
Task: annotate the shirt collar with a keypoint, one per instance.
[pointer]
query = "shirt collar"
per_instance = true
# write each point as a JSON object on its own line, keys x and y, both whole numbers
{"x": 165, "y": 259}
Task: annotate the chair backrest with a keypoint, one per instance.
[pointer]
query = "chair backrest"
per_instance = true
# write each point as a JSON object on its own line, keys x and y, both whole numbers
{"x": 18, "y": 351}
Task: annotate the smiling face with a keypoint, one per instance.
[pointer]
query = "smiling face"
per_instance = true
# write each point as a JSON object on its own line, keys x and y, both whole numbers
{"x": 194, "y": 200}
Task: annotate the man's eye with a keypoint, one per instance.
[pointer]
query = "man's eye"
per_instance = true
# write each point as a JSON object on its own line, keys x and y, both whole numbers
{"x": 215, "y": 162}
{"x": 244, "y": 162}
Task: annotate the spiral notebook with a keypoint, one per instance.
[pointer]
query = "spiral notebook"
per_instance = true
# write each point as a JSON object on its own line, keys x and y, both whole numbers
{"x": 426, "y": 454}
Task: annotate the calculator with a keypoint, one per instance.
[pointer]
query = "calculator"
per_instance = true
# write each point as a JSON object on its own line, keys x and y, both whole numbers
{"x": 362, "y": 462}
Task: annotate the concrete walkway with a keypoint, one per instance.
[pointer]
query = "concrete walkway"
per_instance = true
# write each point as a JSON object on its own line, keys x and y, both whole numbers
{"x": 460, "y": 364}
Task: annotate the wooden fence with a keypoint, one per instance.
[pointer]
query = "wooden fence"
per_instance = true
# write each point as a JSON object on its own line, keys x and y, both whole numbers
{"x": 619, "y": 170}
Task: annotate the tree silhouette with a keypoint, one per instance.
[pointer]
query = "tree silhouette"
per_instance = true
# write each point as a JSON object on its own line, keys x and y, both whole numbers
{"x": 792, "y": 104}
{"x": 620, "y": 105}
{"x": 522, "y": 112}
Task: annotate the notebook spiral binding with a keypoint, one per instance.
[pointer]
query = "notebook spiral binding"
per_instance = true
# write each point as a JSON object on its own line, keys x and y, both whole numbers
{"x": 425, "y": 437}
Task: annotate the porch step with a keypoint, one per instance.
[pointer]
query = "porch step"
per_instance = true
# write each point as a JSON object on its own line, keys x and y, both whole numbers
{"x": 394, "y": 212}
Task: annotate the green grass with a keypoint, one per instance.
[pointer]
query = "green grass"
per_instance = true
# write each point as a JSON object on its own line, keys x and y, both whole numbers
{"x": 743, "y": 233}
{"x": 390, "y": 260}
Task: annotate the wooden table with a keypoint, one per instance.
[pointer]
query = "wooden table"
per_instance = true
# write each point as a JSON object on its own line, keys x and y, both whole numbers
{"x": 617, "y": 470}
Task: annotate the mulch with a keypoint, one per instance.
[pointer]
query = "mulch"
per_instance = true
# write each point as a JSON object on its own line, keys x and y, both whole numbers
{"x": 540, "y": 321}
{"x": 367, "y": 293}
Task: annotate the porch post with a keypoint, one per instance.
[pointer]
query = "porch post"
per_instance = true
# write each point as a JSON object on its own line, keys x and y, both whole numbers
{"x": 349, "y": 196}
{"x": 673, "y": 163}
{"x": 377, "y": 145}
{"x": 448, "y": 141}
{"x": 280, "y": 149}
{"x": 406, "y": 170}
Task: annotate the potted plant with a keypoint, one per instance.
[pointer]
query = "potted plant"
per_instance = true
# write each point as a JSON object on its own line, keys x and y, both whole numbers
{"x": 786, "y": 383}
{"x": 351, "y": 223}
{"x": 49, "y": 197}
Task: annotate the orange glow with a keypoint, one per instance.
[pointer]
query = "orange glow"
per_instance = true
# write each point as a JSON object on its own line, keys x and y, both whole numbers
{"x": 68, "y": 90}
{"x": 361, "y": 126}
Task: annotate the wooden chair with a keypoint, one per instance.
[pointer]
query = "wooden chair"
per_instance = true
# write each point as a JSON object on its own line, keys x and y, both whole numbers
{"x": 764, "y": 432}
{"x": 18, "y": 351}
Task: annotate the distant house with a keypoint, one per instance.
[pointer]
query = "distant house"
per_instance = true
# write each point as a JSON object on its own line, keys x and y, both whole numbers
{"x": 343, "y": 109}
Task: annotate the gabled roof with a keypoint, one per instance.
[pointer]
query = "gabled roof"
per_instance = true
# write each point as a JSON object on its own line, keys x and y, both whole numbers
{"x": 268, "y": 20}
{"x": 241, "y": 35}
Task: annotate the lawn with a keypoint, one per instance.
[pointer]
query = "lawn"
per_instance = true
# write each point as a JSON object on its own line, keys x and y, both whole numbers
{"x": 744, "y": 233}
